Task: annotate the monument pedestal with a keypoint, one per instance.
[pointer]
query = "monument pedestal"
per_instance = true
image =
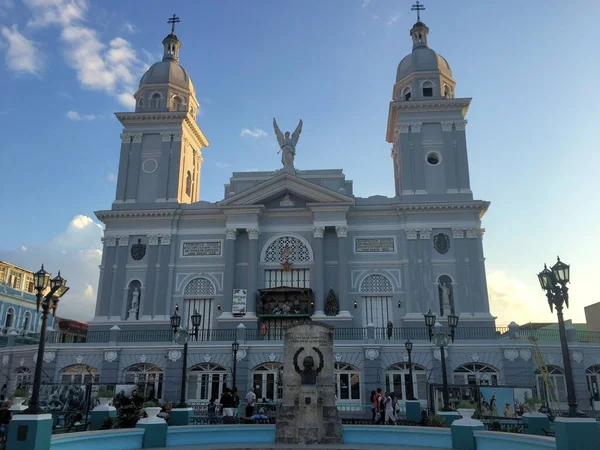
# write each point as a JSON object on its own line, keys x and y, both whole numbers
{"x": 30, "y": 432}
{"x": 308, "y": 414}
{"x": 535, "y": 423}
{"x": 576, "y": 433}
{"x": 132, "y": 315}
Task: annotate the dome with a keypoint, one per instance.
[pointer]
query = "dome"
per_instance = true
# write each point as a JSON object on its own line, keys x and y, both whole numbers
{"x": 167, "y": 71}
{"x": 422, "y": 59}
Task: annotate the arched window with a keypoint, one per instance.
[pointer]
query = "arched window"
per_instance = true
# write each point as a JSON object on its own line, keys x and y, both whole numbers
{"x": 188, "y": 183}
{"x": 148, "y": 378}
{"x": 557, "y": 384}
{"x": 199, "y": 297}
{"x": 206, "y": 381}
{"x": 79, "y": 374}
{"x": 267, "y": 381}
{"x": 406, "y": 93}
{"x": 593, "y": 380}
{"x": 427, "y": 89}
{"x": 376, "y": 301}
{"x": 347, "y": 382}
{"x": 155, "y": 101}
{"x": 476, "y": 373}
{"x": 397, "y": 380}
{"x": 177, "y": 103}
{"x": 26, "y": 321}
{"x": 24, "y": 378}
{"x": 10, "y": 317}
{"x": 284, "y": 250}
{"x": 141, "y": 102}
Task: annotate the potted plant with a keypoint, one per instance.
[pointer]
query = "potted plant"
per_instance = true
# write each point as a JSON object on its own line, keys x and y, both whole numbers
{"x": 18, "y": 398}
{"x": 151, "y": 409}
{"x": 105, "y": 397}
{"x": 533, "y": 404}
{"x": 466, "y": 409}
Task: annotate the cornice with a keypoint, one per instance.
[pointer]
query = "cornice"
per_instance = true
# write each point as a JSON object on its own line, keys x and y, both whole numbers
{"x": 164, "y": 116}
{"x": 103, "y": 216}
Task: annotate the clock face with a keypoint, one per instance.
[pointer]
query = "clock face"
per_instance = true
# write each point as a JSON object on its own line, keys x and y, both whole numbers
{"x": 441, "y": 339}
{"x": 182, "y": 336}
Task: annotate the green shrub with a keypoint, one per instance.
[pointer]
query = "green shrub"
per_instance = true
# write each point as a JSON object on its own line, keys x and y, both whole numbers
{"x": 150, "y": 404}
{"x": 105, "y": 394}
{"x": 466, "y": 405}
{"x": 21, "y": 393}
{"x": 436, "y": 421}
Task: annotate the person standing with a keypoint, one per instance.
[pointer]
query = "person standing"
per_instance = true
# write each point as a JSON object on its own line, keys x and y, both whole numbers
{"x": 390, "y": 401}
{"x": 250, "y": 400}
{"x": 227, "y": 403}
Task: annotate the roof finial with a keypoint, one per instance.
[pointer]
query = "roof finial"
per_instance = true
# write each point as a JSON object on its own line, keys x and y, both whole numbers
{"x": 173, "y": 20}
{"x": 418, "y": 7}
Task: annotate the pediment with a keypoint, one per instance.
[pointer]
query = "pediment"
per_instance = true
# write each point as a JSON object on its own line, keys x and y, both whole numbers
{"x": 281, "y": 185}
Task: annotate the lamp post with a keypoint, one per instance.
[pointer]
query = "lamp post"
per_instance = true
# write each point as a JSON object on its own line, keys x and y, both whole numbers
{"x": 196, "y": 321}
{"x": 235, "y": 346}
{"x": 48, "y": 301}
{"x": 183, "y": 337}
{"x": 410, "y": 392}
{"x": 441, "y": 340}
{"x": 554, "y": 282}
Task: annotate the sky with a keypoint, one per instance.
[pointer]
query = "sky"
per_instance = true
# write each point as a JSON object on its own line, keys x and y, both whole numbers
{"x": 67, "y": 65}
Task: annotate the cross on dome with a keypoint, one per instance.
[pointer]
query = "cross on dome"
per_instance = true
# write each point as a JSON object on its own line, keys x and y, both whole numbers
{"x": 418, "y": 7}
{"x": 173, "y": 20}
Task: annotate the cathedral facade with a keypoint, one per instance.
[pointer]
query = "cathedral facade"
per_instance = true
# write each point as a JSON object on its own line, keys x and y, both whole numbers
{"x": 295, "y": 244}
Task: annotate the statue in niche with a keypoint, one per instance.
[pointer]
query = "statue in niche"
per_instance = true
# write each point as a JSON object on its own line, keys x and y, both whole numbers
{"x": 135, "y": 299}
{"x": 445, "y": 293}
{"x": 308, "y": 375}
{"x": 287, "y": 145}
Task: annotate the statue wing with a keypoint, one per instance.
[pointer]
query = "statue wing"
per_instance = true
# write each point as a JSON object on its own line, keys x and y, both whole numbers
{"x": 278, "y": 133}
{"x": 296, "y": 134}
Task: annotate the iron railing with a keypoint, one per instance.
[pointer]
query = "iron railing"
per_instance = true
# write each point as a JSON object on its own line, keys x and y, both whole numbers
{"x": 276, "y": 334}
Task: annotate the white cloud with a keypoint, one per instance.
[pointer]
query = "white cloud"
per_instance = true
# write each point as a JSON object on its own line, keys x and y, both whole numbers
{"x": 365, "y": 3}
{"x": 111, "y": 177}
{"x": 65, "y": 95}
{"x": 221, "y": 165}
{"x": 110, "y": 66}
{"x": 130, "y": 28}
{"x": 22, "y": 55}
{"x": 375, "y": 17}
{"x": 76, "y": 252}
{"x": 392, "y": 20}
{"x": 256, "y": 134}
{"x": 23, "y": 248}
{"x": 75, "y": 116}
{"x": 511, "y": 300}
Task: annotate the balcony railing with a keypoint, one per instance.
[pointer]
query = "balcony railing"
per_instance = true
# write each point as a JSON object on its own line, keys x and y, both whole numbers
{"x": 120, "y": 337}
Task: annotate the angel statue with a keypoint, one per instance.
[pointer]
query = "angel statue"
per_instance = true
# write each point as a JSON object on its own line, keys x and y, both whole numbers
{"x": 288, "y": 145}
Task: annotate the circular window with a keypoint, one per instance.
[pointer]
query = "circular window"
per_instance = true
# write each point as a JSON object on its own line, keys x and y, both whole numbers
{"x": 149, "y": 166}
{"x": 433, "y": 158}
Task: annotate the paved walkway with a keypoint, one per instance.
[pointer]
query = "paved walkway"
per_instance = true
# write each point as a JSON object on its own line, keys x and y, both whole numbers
{"x": 288, "y": 446}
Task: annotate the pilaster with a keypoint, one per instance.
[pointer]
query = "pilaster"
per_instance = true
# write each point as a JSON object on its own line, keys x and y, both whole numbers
{"x": 416, "y": 150}
{"x": 461, "y": 288}
{"x": 116, "y": 307}
{"x": 450, "y": 158}
{"x": 318, "y": 233}
{"x": 343, "y": 256}
{"x": 175, "y": 168}
{"x": 147, "y": 303}
{"x": 253, "y": 235}
{"x": 405, "y": 162}
{"x": 166, "y": 151}
{"x": 134, "y": 168}
{"x": 414, "y": 284}
{"x": 229, "y": 278}
{"x": 126, "y": 143}
{"x": 462, "y": 157}
{"x": 161, "y": 291}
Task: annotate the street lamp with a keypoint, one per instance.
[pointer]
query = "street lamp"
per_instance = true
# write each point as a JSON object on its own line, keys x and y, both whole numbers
{"x": 48, "y": 301}
{"x": 410, "y": 393}
{"x": 235, "y": 346}
{"x": 181, "y": 337}
{"x": 196, "y": 321}
{"x": 441, "y": 340}
{"x": 554, "y": 282}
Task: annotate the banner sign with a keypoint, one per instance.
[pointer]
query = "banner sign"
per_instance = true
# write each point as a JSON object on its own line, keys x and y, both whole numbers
{"x": 239, "y": 301}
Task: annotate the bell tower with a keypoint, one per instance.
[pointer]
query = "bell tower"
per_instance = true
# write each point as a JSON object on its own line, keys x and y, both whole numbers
{"x": 161, "y": 143}
{"x": 426, "y": 126}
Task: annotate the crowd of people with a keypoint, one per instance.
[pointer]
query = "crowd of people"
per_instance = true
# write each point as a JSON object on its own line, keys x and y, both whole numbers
{"x": 384, "y": 407}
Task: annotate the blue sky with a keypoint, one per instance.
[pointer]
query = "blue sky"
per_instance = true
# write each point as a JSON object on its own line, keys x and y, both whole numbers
{"x": 532, "y": 71}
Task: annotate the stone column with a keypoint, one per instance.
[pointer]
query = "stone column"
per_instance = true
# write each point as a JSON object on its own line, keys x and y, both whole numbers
{"x": 126, "y": 139}
{"x": 317, "y": 276}
{"x": 406, "y": 162}
{"x": 253, "y": 256}
{"x": 162, "y": 294}
{"x": 177, "y": 147}
{"x": 147, "y": 301}
{"x": 450, "y": 158}
{"x": 416, "y": 150}
{"x": 344, "y": 301}
{"x": 134, "y": 168}
{"x": 461, "y": 288}
{"x": 462, "y": 158}
{"x": 231, "y": 236}
{"x": 106, "y": 277}
{"x": 413, "y": 275}
{"x": 116, "y": 308}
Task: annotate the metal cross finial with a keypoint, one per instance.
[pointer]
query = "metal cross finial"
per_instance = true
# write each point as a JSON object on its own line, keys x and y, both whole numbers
{"x": 418, "y": 7}
{"x": 173, "y": 20}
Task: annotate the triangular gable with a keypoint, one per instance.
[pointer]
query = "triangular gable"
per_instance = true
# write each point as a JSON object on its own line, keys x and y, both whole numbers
{"x": 280, "y": 184}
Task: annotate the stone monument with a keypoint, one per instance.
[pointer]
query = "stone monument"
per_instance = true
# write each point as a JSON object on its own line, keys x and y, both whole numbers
{"x": 308, "y": 414}
{"x": 287, "y": 145}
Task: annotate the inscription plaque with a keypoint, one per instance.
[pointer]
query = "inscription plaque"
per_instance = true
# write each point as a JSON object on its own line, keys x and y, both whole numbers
{"x": 201, "y": 248}
{"x": 374, "y": 245}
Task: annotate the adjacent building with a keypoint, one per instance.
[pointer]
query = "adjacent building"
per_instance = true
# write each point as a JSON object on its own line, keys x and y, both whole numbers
{"x": 291, "y": 244}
